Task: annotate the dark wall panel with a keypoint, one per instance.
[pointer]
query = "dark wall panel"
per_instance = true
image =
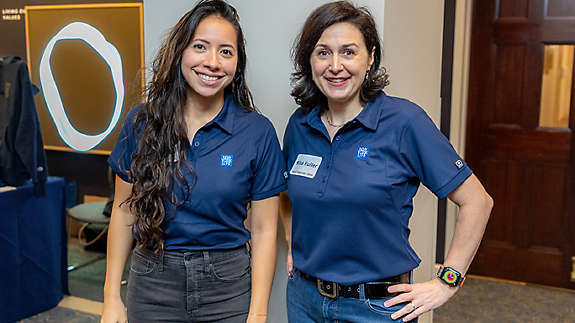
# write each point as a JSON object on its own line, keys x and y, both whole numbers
{"x": 88, "y": 170}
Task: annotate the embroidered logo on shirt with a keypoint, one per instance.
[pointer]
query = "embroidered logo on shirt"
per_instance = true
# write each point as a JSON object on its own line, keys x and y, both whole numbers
{"x": 226, "y": 160}
{"x": 362, "y": 152}
{"x": 286, "y": 175}
{"x": 459, "y": 164}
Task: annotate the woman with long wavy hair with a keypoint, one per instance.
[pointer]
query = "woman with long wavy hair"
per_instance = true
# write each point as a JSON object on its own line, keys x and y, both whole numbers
{"x": 188, "y": 162}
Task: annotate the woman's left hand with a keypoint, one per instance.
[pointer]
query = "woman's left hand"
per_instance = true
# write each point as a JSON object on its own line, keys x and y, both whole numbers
{"x": 420, "y": 298}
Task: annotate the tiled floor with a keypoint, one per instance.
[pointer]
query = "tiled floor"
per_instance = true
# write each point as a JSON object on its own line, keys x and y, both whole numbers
{"x": 486, "y": 300}
{"x": 63, "y": 314}
{"x": 88, "y": 282}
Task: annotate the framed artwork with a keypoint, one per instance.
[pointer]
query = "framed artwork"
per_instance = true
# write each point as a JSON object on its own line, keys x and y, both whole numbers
{"x": 88, "y": 61}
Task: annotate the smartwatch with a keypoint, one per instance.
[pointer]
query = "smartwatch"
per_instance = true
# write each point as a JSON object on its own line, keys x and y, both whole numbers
{"x": 450, "y": 276}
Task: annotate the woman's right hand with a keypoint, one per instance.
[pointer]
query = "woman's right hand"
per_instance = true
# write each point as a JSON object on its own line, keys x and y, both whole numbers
{"x": 114, "y": 311}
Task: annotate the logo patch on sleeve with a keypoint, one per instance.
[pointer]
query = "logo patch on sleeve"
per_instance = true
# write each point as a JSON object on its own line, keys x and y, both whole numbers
{"x": 362, "y": 152}
{"x": 226, "y": 160}
{"x": 459, "y": 164}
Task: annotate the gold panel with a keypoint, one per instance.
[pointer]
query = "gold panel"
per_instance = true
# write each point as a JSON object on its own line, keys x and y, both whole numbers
{"x": 82, "y": 76}
{"x": 556, "y": 86}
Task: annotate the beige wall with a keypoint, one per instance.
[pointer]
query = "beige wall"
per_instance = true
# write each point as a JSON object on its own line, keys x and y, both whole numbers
{"x": 413, "y": 34}
{"x": 461, "y": 54}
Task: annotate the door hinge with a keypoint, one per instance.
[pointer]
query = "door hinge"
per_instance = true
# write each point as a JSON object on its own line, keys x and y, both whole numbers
{"x": 573, "y": 269}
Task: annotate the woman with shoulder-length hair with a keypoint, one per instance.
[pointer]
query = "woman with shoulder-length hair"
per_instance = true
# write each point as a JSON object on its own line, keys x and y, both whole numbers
{"x": 356, "y": 157}
{"x": 188, "y": 161}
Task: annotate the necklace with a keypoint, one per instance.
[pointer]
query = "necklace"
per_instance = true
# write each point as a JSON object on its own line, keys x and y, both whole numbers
{"x": 333, "y": 124}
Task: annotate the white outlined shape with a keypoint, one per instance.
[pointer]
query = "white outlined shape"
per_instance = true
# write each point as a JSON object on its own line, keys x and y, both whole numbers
{"x": 91, "y": 36}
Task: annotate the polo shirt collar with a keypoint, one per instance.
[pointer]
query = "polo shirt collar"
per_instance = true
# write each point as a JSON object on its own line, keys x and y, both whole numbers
{"x": 313, "y": 119}
{"x": 369, "y": 116}
{"x": 225, "y": 119}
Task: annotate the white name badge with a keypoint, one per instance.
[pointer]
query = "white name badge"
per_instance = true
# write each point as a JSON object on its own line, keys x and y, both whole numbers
{"x": 305, "y": 165}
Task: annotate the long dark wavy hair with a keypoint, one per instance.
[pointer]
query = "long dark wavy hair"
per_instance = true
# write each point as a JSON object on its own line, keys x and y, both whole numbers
{"x": 304, "y": 90}
{"x": 157, "y": 169}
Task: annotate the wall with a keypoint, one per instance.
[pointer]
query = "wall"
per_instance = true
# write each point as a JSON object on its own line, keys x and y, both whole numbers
{"x": 461, "y": 48}
{"x": 413, "y": 32}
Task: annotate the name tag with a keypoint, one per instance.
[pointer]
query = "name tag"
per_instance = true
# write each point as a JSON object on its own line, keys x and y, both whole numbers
{"x": 305, "y": 165}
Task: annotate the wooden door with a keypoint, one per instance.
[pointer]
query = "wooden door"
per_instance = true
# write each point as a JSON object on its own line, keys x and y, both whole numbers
{"x": 527, "y": 168}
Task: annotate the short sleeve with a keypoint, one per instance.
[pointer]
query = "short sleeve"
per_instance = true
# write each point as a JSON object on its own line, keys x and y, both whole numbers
{"x": 269, "y": 173}
{"x": 430, "y": 157}
{"x": 121, "y": 157}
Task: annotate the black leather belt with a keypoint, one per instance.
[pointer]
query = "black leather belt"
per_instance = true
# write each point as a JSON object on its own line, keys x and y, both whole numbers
{"x": 373, "y": 290}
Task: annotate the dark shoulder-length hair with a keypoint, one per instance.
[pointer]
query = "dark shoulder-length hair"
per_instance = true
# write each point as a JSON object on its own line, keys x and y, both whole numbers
{"x": 304, "y": 90}
{"x": 157, "y": 166}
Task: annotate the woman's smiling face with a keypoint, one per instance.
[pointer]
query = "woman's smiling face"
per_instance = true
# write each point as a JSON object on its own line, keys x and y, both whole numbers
{"x": 339, "y": 62}
{"x": 210, "y": 60}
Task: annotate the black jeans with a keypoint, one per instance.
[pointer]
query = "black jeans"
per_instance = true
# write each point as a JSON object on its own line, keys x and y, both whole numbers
{"x": 199, "y": 286}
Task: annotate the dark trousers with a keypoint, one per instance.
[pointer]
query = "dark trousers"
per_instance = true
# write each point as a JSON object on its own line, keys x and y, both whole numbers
{"x": 200, "y": 286}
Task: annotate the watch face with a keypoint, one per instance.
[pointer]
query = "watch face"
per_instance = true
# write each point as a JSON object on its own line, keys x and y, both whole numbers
{"x": 450, "y": 277}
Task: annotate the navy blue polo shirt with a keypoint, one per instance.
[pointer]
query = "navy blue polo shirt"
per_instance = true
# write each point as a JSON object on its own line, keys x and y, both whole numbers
{"x": 352, "y": 197}
{"x": 236, "y": 157}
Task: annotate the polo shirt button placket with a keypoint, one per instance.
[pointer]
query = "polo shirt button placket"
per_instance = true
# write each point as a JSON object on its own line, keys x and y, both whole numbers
{"x": 194, "y": 151}
{"x": 322, "y": 181}
{"x": 194, "y": 148}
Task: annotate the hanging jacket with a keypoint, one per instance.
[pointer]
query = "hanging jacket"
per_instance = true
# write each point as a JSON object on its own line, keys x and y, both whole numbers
{"x": 22, "y": 155}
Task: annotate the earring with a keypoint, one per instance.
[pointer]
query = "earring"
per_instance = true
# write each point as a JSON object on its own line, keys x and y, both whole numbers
{"x": 366, "y": 75}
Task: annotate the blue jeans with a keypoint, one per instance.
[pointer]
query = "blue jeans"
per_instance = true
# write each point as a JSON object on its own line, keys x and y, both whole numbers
{"x": 306, "y": 305}
{"x": 199, "y": 286}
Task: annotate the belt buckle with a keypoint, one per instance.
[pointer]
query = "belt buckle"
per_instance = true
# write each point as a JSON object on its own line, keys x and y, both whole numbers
{"x": 322, "y": 286}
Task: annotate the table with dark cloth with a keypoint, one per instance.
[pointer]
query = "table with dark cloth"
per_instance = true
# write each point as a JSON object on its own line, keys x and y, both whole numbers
{"x": 33, "y": 247}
